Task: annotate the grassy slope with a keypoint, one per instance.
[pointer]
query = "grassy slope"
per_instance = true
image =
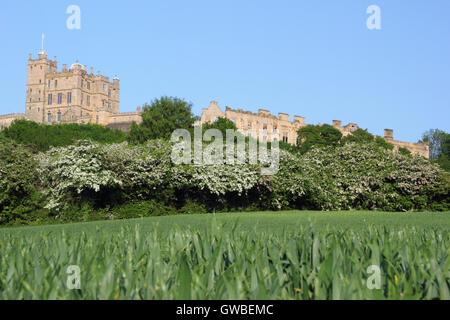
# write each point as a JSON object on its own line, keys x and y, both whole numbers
{"x": 262, "y": 221}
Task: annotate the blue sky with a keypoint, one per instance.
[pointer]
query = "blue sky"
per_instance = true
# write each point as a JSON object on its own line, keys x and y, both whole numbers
{"x": 316, "y": 59}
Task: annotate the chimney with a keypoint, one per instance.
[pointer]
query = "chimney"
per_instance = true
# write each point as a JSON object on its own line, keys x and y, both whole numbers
{"x": 92, "y": 71}
{"x": 64, "y": 69}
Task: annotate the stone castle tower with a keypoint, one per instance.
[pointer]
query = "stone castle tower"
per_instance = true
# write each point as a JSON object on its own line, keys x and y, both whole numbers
{"x": 70, "y": 96}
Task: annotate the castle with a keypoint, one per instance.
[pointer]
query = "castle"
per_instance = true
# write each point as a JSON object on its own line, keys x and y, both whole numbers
{"x": 283, "y": 129}
{"x": 71, "y": 96}
{"x": 76, "y": 96}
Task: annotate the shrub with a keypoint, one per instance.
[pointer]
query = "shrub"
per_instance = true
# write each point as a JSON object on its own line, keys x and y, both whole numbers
{"x": 42, "y": 137}
{"x": 75, "y": 174}
{"x": 18, "y": 182}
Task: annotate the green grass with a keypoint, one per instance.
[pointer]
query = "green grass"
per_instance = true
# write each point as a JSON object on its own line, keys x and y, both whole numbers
{"x": 263, "y": 255}
{"x": 262, "y": 221}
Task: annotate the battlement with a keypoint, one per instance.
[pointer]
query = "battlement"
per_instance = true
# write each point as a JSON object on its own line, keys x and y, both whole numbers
{"x": 7, "y": 119}
{"x": 12, "y": 116}
{"x": 281, "y": 128}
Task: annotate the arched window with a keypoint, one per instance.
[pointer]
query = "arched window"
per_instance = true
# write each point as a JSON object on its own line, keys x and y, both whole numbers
{"x": 59, "y": 116}
{"x": 49, "y": 117}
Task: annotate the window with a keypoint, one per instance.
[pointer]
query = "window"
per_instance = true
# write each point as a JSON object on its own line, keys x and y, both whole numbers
{"x": 69, "y": 97}
{"x": 82, "y": 83}
{"x": 88, "y": 85}
{"x": 40, "y": 80}
{"x": 109, "y": 93}
{"x": 59, "y": 116}
{"x": 50, "y": 98}
{"x": 56, "y": 83}
{"x": 49, "y": 117}
{"x": 49, "y": 84}
{"x": 96, "y": 119}
{"x": 59, "y": 98}
{"x": 31, "y": 90}
{"x": 104, "y": 87}
{"x": 88, "y": 100}
{"x": 82, "y": 96}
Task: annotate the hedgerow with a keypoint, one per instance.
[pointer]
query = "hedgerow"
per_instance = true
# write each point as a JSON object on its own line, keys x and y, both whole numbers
{"x": 95, "y": 177}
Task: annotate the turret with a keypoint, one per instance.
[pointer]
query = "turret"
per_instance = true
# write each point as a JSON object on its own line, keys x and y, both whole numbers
{"x": 388, "y": 134}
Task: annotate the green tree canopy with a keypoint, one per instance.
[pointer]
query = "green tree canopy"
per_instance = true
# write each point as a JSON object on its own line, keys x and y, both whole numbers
{"x": 436, "y": 138}
{"x": 359, "y": 136}
{"x": 444, "y": 157}
{"x": 222, "y": 124}
{"x": 319, "y": 136}
{"x": 161, "y": 118}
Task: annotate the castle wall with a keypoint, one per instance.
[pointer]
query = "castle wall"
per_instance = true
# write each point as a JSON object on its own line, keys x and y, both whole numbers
{"x": 283, "y": 129}
{"x": 6, "y": 120}
{"x": 264, "y": 124}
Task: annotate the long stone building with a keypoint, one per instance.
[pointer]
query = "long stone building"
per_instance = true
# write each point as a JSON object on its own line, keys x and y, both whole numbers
{"x": 283, "y": 129}
{"x": 71, "y": 95}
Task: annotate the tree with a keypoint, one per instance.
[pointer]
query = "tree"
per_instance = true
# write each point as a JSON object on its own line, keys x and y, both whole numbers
{"x": 222, "y": 124}
{"x": 436, "y": 138}
{"x": 444, "y": 157}
{"x": 161, "y": 118}
{"x": 319, "y": 136}
{"x": 359, "y": 136}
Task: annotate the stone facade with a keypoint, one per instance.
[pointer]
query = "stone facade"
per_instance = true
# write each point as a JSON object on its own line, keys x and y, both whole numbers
{"x": 75, "y": 96}
{"x": 282, "y": 129}
{"x": 7, "y": 119}
{"x": 70, "y": 96}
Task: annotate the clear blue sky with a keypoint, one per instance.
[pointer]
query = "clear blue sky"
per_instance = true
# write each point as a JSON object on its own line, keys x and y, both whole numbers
{"x": 313, "y": 58}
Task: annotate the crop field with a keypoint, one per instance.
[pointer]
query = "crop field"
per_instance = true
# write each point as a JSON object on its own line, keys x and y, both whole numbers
{"x": 270, "y": 255}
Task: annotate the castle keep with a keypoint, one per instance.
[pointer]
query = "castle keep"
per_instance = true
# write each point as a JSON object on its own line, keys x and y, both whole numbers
{"x": 283, "y": 129}
{"x": 70, "y": 96}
